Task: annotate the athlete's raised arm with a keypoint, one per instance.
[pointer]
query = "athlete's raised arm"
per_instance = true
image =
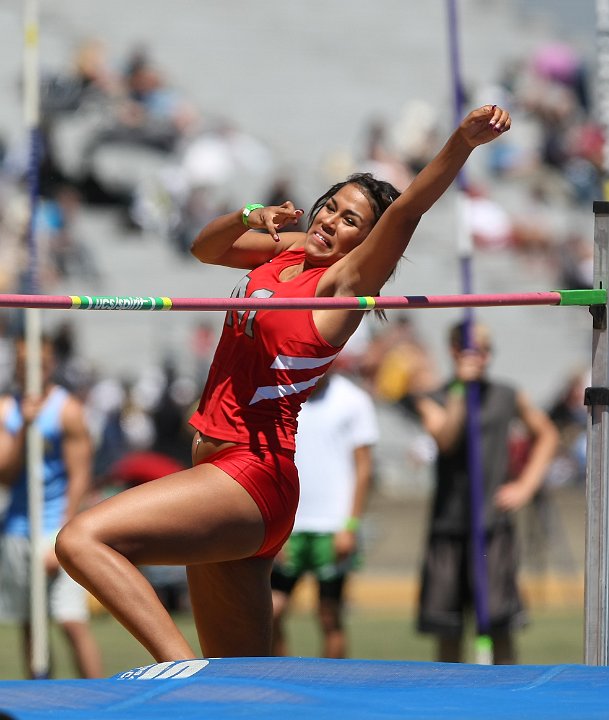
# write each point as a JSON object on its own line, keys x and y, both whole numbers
{"x": 365, "y": 269}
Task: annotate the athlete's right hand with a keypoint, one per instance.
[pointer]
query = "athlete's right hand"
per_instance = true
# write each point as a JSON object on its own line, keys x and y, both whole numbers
{"x": 274, "y": 218}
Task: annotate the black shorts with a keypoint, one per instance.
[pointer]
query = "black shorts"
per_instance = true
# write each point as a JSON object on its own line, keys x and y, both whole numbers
{"x": 328, "y": 589}
{"x": 311, "y": 553}
{"x": 447, "y": 584}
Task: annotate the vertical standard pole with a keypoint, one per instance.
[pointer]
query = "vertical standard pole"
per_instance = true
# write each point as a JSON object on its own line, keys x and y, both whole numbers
{"x": 596, "y": 596}
{"x": 474, "y": 449}
{"x": 33, "y": 384}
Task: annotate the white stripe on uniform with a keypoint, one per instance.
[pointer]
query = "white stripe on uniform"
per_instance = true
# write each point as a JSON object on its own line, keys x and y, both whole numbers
{"x": 289, "y": 362}
{"x": 273, "y": 392}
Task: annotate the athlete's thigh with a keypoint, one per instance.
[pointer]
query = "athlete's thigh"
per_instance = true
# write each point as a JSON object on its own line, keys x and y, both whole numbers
{"x": 197, "y": 515}
{"x": 232, "y": 606}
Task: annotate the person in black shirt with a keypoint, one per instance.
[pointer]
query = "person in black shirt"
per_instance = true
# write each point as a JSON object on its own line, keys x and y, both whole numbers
{"x": 447, "y": 575}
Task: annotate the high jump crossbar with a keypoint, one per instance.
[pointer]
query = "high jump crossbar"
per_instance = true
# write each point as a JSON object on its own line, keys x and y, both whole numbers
{"x": 584, "y": 297}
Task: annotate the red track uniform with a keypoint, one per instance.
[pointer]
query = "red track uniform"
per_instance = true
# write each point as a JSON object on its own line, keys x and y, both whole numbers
{"x": 265, "y": 366}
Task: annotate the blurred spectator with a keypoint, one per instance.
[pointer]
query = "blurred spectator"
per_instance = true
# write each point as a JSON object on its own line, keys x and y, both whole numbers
{"x": 91, "y": 111}
{"x": 337, "y": 428}
{"x": 90, "y": 78}
{"x": 416, "y": 134}
{"x": 570, "y": 416}
{"x": 89, "y": 89}
{"x": 58, "y": 221}
{"x": 281, "y": 190}
{"x": 584, "y": 145}
{"x": 487, "y": 222}
{"x": 559, "y": 63}
{"x": 147, "y": 415}
{"x": 551, "y": 87}
{"x": 196, "y": 211}
{"x": 203, "y": 177}
{"x": 140, "y": 466}
{"x": 448, "y": 590}
{"x": 152, "y": 113}
{"x": 13, "y": 247}
{"x": 396, "y": 362}
{"x": 378, "y": 153}
{"x": 103, "y": 403}
{"x": 576, "y": 262}
{"x": 225, "y": 156}
{"x": 60, "y": 419}
{"x": 121, "y": 424}
{"x": 379, "y": 159}
{"x": 536, "y": 228}
{"x": 64, "y": 346}
{"x": 204, "y": 339}
{"x": 6, "y": 353}
{"x": 173, "y": 434}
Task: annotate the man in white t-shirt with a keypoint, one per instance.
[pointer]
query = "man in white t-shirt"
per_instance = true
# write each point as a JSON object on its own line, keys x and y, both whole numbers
{"x": 337, "y": 428}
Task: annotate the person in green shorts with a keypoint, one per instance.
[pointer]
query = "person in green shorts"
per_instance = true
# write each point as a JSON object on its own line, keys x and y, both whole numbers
{"x": 337, "y": 429}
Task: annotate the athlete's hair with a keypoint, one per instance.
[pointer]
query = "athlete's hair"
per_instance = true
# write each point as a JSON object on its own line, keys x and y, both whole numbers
{"x": 380, "y": 194}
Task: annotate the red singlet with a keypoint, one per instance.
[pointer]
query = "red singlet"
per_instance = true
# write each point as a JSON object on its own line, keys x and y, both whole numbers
{"x": 267, "y": 362}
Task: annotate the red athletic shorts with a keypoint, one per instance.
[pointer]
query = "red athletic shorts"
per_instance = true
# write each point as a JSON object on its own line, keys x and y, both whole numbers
{"x": 271, "y": 479}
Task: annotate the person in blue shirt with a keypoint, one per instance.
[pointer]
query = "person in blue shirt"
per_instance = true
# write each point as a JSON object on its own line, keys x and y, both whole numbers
{"x": 59, "y": 417}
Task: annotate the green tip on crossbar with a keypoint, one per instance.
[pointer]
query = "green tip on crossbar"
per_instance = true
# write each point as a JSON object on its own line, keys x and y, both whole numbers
{"x": 583, "y": 297}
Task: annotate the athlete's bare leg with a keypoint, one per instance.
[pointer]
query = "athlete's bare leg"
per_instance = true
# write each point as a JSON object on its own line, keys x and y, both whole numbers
{"x": 196, "y": 516}
{"x": 232, "y": 607}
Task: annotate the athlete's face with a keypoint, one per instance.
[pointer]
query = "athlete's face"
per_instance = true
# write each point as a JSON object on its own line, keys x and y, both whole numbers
{"x": 340, "y": 225}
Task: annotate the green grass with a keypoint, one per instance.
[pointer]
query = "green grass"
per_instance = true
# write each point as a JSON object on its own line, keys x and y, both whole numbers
{"x": 551, "y": 638}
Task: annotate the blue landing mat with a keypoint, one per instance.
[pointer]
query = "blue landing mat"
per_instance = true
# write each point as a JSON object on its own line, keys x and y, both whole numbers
{"x": 294, "y": 688}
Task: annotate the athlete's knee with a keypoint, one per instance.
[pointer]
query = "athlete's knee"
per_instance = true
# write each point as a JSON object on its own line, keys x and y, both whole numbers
{"x": 73, "y": 542}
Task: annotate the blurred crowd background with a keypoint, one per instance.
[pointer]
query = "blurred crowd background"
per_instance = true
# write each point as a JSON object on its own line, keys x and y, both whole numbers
{"x": 154, "y": 119}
